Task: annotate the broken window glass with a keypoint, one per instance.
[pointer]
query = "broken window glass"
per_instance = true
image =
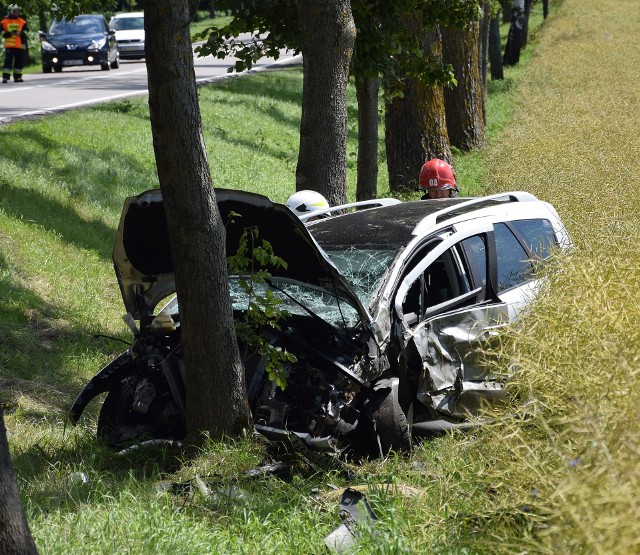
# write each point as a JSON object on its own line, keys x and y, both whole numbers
{"x": 364, "y": 268}
{"x": 297, "y": 298}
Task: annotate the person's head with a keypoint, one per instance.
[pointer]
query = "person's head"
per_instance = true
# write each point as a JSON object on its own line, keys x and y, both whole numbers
{"x": 15, "y": 10}
{"x": 437, "y": 179}
{"x": 303, "y": 202}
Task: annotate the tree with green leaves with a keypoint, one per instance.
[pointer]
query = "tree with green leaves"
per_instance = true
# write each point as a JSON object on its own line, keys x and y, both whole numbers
{"x": 327, "y": 36}
{"x": 323, "y": 30}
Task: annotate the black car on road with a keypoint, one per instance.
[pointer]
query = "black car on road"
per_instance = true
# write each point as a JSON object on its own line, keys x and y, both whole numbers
{"x": 85, "y": 40}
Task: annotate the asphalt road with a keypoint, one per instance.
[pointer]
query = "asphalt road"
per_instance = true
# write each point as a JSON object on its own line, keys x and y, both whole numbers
{"x": 42, "y": 93}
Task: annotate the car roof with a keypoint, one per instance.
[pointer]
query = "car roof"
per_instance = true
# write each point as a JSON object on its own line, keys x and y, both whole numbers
{"x": 396, "y": 225}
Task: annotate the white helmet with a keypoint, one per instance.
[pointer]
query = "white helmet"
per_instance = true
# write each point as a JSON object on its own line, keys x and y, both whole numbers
{"x": 304, "y": 202}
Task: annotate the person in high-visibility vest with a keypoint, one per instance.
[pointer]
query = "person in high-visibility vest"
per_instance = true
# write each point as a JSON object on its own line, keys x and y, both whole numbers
{"x": 13, "y": 32}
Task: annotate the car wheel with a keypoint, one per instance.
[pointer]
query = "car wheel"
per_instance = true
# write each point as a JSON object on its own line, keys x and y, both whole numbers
{"x": 46, "y": 69}
{"x": 105, "y": 67}
{"x": 391, "y": 425}
{"x": 115, "y": 411}
{"x": 57, "y": 69}
{"x": 120, "y": 425}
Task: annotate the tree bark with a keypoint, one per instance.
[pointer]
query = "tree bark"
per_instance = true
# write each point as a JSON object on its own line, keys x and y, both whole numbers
{"x": 367, "y": 92}
{"x": 216, "y": 396}
{"x": 15, "y": 536}
{"x": 506, "y": 10}
{"x": 327, "y": 37}
{"x": 415, "y": 125}
{"x": 545, "y": 8}
{"x": 495, "y": 49}
{"x": 464, "y": 101}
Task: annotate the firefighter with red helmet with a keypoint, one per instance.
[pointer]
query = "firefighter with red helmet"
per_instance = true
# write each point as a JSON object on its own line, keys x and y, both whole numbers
{"x": 13, "y": 32}
{"x": 437, "y": 180}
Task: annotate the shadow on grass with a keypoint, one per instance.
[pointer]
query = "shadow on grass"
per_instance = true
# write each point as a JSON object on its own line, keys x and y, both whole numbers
{"x": 36, "y": 342}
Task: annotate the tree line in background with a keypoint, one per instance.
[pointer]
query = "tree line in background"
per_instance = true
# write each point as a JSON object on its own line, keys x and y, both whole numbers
{"x": 430, "y": 58}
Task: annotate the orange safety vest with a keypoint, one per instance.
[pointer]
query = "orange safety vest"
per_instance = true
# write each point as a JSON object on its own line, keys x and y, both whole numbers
{"x": 10, "y": 24}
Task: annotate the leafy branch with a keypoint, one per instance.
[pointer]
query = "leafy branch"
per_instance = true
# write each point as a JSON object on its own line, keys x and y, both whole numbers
{"x": 253, "y": 259}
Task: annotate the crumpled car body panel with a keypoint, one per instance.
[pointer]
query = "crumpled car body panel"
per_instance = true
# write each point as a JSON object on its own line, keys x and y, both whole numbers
{"x": 450, "y": 349}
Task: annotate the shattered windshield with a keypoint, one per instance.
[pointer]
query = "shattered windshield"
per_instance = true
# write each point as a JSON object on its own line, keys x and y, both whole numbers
{"x": 363, "y": 267}
{"x": 299, "y": 299}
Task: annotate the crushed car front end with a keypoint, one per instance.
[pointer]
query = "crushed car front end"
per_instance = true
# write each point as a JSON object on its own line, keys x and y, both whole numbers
{"x": 330, "y": 401}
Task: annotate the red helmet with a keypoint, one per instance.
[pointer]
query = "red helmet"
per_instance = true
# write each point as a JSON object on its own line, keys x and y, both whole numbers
{"x": 436, "y": 174}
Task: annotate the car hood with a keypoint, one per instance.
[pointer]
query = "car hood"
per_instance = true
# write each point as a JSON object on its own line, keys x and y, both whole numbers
{"x": 81, "y": 41}
{"x": 142, "y": 252}
{"x": 130, "y": 34}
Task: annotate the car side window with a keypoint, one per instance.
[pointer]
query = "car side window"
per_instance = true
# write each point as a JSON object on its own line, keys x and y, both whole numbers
{"x": 476, "y": 251}
{"x": 514, "y": 266}
{"x": 538, "y": 236}
{"x": 444, "y": 281}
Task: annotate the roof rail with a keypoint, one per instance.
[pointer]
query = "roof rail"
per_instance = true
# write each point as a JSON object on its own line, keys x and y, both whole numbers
{"x": 471, "y": 203}
{"x": 363, "y": 204}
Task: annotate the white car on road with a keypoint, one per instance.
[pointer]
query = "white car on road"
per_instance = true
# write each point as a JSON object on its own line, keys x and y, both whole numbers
{"x": 129, "y": 28}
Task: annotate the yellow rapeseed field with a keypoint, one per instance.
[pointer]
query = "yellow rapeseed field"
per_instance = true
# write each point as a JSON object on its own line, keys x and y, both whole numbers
{"x": 575, "y": 142}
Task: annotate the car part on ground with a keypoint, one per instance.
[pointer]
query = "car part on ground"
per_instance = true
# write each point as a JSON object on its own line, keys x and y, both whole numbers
{"x": 85, "y": 40}
{"x": 387, "y": 311}
{"x": 354, "y": 511}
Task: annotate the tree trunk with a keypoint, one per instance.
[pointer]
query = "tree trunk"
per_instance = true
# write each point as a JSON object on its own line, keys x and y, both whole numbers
{"x": 506, "y": 10}
{"x": 495, "y": 49}
{"x": 464, "y": 101}
{"x": 483, "y": 53}
{"x": 216, "y": 396}
{"x": 327, "y": 37}
{"x": 415, "y": 126}
{"x": 545, "y": 8}
{"x": 15, "y": 536}
{"x": 367, "y": 92}
{"x": 515, "y": 38}
{"x": 527, "y": 13}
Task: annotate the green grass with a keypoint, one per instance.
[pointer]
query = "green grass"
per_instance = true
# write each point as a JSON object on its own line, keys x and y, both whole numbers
{"x": 563, "y": 479}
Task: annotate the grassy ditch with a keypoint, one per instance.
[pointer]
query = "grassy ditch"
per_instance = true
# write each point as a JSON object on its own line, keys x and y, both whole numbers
{"x": 561, "y": 479}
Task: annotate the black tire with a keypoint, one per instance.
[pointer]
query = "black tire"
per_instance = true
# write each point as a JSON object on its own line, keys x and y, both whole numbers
{"x": 115, "y": 412}
{"x": 391, "y": 425}
{"x": 46, "y": 69}
{"x": 105, "y": 67}
{"x": 57, "y": 69}
{"x": 119, "y": 425}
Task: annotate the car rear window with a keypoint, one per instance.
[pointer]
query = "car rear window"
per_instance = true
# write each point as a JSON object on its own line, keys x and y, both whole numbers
{"x": 538, "y": 236}
{"x": 127, "y": 23}
{"x": 514, "y": 266}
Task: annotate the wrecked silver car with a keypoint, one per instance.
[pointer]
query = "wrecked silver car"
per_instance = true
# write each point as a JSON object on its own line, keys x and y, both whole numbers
{"x": 386, "y": 309}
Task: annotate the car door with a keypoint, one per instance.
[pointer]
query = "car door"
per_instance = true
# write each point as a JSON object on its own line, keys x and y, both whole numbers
{"x": 447, "y": 311}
